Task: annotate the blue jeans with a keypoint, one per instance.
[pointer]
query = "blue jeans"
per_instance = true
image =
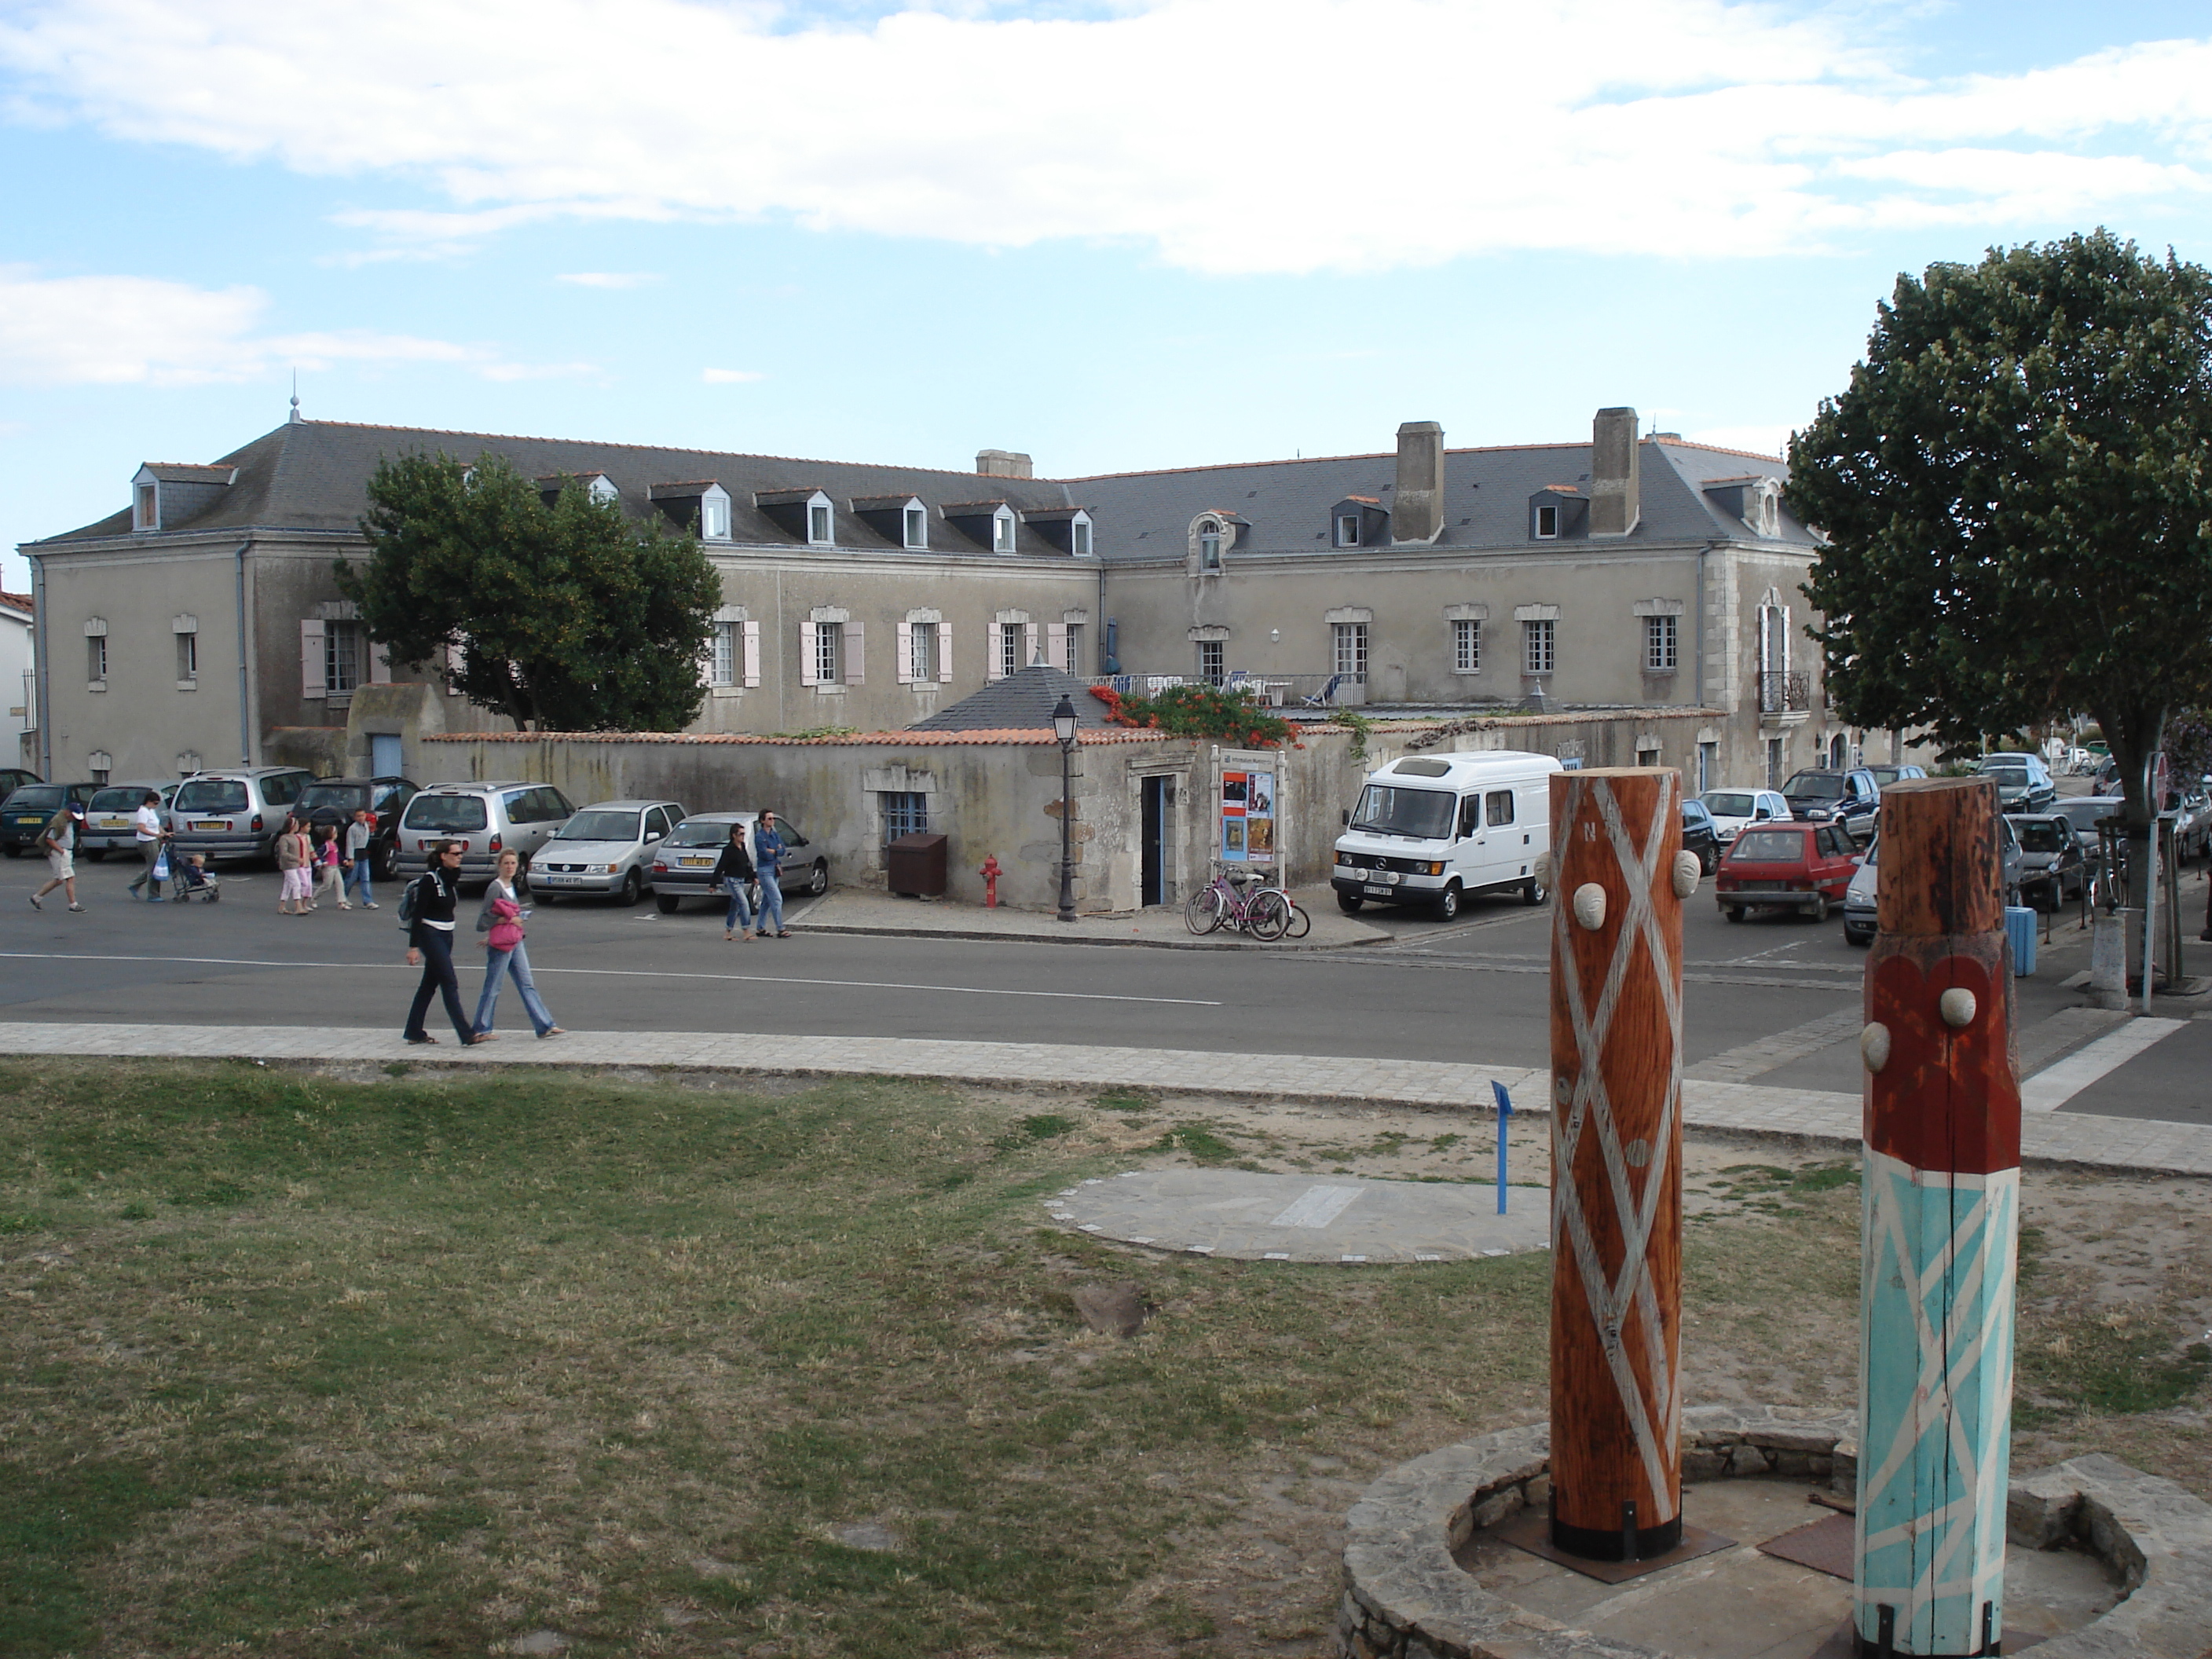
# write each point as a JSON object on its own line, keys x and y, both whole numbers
{"x": 771, "y": 903}
{"x": 360, "y": 878}
{"x": 497, "y": 965}
{"x": 740, "y": 912}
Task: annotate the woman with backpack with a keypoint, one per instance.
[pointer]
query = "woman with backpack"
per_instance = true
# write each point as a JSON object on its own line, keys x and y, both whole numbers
{"x": 426, "y": 911}
{"x": 500, "y": 920}
{"x": 734, "y": 870}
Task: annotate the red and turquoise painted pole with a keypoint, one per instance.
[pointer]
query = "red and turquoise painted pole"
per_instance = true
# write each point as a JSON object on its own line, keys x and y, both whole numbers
{"x": 1940, "y": 1217}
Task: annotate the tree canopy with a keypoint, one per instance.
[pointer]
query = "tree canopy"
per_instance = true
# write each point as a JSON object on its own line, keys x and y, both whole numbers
{"x": 570, "y": 617}
{"x": 2016, "y": 494}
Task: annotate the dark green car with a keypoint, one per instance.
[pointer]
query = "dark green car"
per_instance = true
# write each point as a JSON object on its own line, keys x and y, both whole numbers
{"x": 25, "y": 812}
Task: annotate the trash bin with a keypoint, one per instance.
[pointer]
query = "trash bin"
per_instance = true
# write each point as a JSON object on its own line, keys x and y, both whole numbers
{"x": 917, "y": 865}
{"x": 2020, "y": 927}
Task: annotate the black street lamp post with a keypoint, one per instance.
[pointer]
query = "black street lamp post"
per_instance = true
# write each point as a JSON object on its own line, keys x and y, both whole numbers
{"x": 1063, "y": 727}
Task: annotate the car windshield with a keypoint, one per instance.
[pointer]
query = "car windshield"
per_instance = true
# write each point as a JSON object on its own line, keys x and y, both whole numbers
{"x": 1815, "y": 785}
{"x": 2083, "y": 813}
{"x": 449, "y": 814}
{"x": 43, "y": 796}
{"x": 1426, "y": 814}
{"x": 1729, "y": 805}
{"x": 2007, "y": 777}
{"x": 710, "y": 834}
{"x": 2043, "y": 835}
{"x": 116, "y": 800}
{"x": 212, "y": 795}
{"x": 344, "y": 796}
{"x": 1769, "y": 846}
{"x": 1885, "y": 775}
{"x": 599, "y": 826}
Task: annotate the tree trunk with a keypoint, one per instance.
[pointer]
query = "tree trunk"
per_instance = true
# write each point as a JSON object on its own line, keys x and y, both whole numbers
{"x": 2135, "y": 736}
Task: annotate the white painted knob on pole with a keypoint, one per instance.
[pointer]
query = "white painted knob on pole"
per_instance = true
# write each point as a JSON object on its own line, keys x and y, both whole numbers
{"x": 1589, "y": 905}
{"x": 1688, "y": 873}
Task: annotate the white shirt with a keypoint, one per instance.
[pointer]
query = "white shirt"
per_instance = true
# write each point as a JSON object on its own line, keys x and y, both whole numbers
{"x": 150, "y": 823}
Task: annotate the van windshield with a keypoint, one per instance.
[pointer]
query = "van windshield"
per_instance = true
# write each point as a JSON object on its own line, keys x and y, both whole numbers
{"x": 1424, "y": 814}
{"x": 447, "y": 814}
{"x": 212, "y": 795}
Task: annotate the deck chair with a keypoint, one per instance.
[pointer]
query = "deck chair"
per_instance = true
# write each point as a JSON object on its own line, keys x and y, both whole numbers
{"x": 1327, "y": 694}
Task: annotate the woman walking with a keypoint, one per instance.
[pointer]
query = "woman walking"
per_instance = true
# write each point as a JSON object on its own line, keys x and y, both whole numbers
{"x": 768, "y": 846}
{"x": 434, "y": 895}
{"x": 500, "y": 920}
{"x": 294, "y": 863}
{"x": 734, "y": 870}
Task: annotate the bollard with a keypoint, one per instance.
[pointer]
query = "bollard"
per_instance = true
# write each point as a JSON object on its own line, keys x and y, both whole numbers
{"x": 1616, "y": 1162}
{"x": 1939, "y": 1219}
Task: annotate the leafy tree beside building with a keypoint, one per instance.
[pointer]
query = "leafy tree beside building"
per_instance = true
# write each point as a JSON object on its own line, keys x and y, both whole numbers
{"x": 2017, "y": 494}
{"x": 565, "y": 615}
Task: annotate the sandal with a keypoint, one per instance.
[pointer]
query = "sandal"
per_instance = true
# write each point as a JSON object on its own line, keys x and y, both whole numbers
{"x": 426, "y": 1038}
{"x": 485, "y": 1037}
{"x": 783, "y": 934}
{"x": 552, "y": 1030}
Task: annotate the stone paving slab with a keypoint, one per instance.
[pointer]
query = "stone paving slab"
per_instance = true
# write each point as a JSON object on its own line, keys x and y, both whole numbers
{"x": 2071, "y": 1140}
{"x": 1249, "y": 1216}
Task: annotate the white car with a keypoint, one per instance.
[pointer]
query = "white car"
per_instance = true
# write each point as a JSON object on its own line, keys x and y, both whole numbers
{"x": 1733, "y": 809}
{"x": 606, "y": 848}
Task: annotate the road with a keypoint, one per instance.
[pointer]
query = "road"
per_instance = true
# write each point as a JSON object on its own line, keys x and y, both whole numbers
{"x": 1772, "y": 997}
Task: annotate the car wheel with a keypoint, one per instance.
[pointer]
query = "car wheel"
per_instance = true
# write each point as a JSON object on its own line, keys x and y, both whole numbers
{"x": 1820, "y": 907}
{"x": 633, "y": 887}
{"x": 1446, "y": 909}
{"x": 1732, "y": 912}
{"x": 819, "y": 883}
{"x": 97, "y": 855}
{"x": 1347, "y": 903}
{"x": 543, "y": 898}
{"x": 1708, "y": 861}
{"x": 666, "y": 902}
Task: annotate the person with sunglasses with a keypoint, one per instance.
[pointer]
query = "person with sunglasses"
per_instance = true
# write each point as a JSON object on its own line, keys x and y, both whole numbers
{"x": 433, "y": 898}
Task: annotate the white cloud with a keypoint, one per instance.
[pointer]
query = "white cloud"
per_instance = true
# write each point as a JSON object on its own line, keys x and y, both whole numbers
{"x": 730, "y": 376}
{"x": 139, "y": 330}
{"x": 1228, "y": 135}
{"x": 608, "y": 278}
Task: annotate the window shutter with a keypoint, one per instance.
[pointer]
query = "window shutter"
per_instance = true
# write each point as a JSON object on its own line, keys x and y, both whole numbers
{"x": 806, "y": 647}
{"x": 945, "y": 654}
{"x": 312, "y": 666}
{"x": 904, "y": 663}
{"x": 1029, "y": 643}
{"x": 380, "y": 665}
{"x": 991, "y": 658}
{"x": 752, "y": 653}
{"x": 855, "y": 655}
{"x": 1055, "y": 635}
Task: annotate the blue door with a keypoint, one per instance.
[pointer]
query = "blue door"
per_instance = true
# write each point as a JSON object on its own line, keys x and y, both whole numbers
{"x": 385, "y": 754}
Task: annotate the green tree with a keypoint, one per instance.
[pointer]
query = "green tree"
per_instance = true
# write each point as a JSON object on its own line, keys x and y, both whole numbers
{"x": 569, "y": 617}
{"x": 2016, "y": 494}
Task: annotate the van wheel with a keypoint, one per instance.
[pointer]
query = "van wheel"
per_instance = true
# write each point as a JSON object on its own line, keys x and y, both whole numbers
{"x": 1347, "y": 903}
{"x": 666, "y": 902}
{"x": 97, "y": 855}
{"x": 1533, "y": 892}
{"x": 1446, "y": 909}
{"x": 633, "y": 888}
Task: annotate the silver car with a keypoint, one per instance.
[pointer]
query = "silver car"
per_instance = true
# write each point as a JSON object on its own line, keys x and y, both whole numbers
{"x": 606, "y": 848}
{"x": 486, "y": 818}
{"x": 111, "y": 817}
{"x": 1860, "y": 923}
{"x": 683, "y": 865}
{"x": 234, "y": 813}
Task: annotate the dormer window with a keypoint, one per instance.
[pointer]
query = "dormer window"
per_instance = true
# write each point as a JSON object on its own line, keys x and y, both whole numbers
{"x": 171, "y": 492}
{"x": 1347, "y": 530}
{"x": 602, "y": 490}
{"x": 1080, "y": 531}
{"x": 917, "y": 527}
{"x": 714, "y": 518}
{"x": 819, "y": 525}
{"x": 150, "y": 508}
{"x": 1209, "y": 544}
{"x": 1002, "y": 530}
{"x": 1547, "y": 522}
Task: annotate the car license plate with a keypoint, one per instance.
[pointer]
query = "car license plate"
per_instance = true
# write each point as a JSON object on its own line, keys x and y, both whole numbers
{"x": 114, "y": 824}
{"x": 1380, "y": 892}
{"x": 696, "y": 864}
{"x": 218, "y": 824}
{"x": 557, "y": 881}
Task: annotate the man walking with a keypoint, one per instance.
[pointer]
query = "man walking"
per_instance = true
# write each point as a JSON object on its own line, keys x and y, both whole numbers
{"x": 360, "y": 860}
{"x": 149, "y": 835}
{"x": 433, "y": 897}
{"x": 58, "y": 842}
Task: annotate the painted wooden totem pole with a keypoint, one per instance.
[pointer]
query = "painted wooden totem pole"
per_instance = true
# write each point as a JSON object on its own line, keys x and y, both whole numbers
{"x": 1941, "y": 1219}
{"x": 1621, "y": 876}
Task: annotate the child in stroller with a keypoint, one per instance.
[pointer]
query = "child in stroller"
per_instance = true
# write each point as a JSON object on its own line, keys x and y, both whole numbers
{"x": 193, "y": 882}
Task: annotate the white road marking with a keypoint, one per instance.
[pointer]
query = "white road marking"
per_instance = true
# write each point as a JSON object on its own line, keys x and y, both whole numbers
{"x": 1317, "y": 1206}
{"x": 2052, "y": 1087}
{"x": 629, "y": 973}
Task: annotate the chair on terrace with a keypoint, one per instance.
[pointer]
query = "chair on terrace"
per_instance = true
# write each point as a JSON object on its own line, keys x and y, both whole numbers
{"x": 1326, "y": 695}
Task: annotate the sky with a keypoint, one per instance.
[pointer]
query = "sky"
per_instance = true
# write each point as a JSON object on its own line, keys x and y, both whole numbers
{"x": 1116, "y": 236}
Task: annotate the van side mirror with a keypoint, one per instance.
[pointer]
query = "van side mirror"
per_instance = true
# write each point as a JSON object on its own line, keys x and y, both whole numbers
{"x": 1344, "y": 817}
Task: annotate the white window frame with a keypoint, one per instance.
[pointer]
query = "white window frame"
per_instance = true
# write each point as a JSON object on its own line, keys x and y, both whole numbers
{"x": 1347, "y": 530}
{"x": 1348, "y": 649}
{"x": 1540, "y": 645}
{"x": 1078, "y": 533}
{"x": 724, "y": 651}
{"x": 1662, "y": 644}
{"x": 829, "y": 654}
{"x": 188, "y": 654}
{"x": 1209, "y": 544}
{"x": 1009, "y": 649}
{"x": 713, "y": 516}
{"x": 921, "y": 653}
{"x": 1003, "y": 531}
{"x": 146, "y": 506}
{"x": 1467, "y": 644}
{"x": 96, "y": 658}
{"x": 821, "y": 521}
{"x": 1547, "y": 514}
{"x": 915, "y": 522}
{"x": 1071, "y": 646}
{"x": 1213, "y": 661}
{"x": 334, "y": 631}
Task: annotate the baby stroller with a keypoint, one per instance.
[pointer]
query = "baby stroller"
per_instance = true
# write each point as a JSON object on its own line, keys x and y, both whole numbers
{"x": 192, "y": 881}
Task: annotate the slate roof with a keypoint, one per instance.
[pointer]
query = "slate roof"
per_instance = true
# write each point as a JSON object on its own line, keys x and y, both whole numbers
{"x": 1021, "y": 701}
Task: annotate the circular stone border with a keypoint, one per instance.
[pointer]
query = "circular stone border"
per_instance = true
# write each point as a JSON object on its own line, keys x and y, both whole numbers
{"x": 1405, "y": 1598}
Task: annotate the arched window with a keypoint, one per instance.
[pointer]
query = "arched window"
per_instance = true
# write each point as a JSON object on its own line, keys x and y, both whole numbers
{"x": 1209, "y": 544}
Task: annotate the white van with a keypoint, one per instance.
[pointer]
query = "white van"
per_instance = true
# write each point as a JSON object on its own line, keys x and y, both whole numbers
{"x": 1431, "y": 828}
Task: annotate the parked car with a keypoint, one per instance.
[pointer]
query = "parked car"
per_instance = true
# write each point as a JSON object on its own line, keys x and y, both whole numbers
{"x": 1732, "y": 810}
{"x": 111, "y": 816}
{"x": 684, "y": 864}
{"x": 510, "y": 816}
{"x": 335, "y": 800}
{"x": 1859, "y": 898}
{"x": 29, "y": 807}
{"x": 607, "y": 848}
{"x": 1824, "y": 795}
{"x": 234, "y": 814}
{"x": 2192, "y": 823}
{"x": 2023, "y": 782}
{"x": 1699, "y": 836}
{"x": 1886, "y": 776}
{"x": 13, "y": 778}
{"x": 2052, "y": 867}
{"x": 1790, "y": 866}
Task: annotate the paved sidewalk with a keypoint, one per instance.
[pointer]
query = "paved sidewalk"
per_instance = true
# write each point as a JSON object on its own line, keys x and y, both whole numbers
{"x": 856, "y": 910}
{"x": 2048, "y": 1138}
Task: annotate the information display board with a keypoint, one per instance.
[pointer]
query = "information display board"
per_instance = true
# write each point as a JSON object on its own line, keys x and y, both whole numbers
{"x": 1248, "y": 806}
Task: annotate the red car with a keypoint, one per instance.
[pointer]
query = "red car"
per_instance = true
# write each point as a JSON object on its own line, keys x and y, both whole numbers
{"x": 1797, "y": 867}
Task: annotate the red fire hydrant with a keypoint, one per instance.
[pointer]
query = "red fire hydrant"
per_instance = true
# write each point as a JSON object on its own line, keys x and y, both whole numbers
{"x": 990, "y": 874}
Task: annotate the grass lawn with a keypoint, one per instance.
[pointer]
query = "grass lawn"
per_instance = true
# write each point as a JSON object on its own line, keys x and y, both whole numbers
{"x": 298, "y": 1365}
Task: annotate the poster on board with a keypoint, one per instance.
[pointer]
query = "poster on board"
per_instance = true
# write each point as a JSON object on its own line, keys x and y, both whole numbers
{"x": 1248, "y": 806}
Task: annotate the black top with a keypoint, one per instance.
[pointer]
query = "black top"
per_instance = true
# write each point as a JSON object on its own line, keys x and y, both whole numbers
{"x": 735, "y": 861}
{"x": 437, "y": 893}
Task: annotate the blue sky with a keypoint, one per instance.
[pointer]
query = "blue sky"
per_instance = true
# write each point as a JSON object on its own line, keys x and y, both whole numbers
{"x": 1115, "y": 235}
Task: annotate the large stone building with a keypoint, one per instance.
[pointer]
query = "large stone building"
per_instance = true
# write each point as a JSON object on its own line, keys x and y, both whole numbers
{"x": 1628, "y": 572}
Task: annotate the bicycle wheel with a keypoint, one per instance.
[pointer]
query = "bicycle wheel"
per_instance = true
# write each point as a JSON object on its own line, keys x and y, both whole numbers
{"x": 1301, "y": 923}
{"x": 1268, "y": 914}
{"x": 1202, "y": 912}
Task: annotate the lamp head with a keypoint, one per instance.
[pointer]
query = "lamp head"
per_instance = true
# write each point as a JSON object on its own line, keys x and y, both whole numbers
{"x": 1063, "y": 721}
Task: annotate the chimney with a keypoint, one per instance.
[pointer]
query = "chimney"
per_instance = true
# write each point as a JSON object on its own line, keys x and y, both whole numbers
{"x": 1003, "y": 464}
{"x": 1616, "y": 501}
{"x": 1417, "y": 506}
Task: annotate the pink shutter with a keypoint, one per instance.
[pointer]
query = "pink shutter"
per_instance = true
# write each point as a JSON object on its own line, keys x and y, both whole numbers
{"x": 806, "y": 675}
{"x": 312, "y": 666}
{"x": 945, "y": 654}
{"x": 752, "y": 653}
{"x": 1055, "y": 640}
{"x": 1029, "y": 644}
{"x": 904, "y": 663}
{"x": 991, "y": 657}
{"x": 380, "y": 665}
{"x": 855, "y": 655}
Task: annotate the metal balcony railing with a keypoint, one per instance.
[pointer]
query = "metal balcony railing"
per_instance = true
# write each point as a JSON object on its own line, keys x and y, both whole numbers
{"x": 1790, "y": 693}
